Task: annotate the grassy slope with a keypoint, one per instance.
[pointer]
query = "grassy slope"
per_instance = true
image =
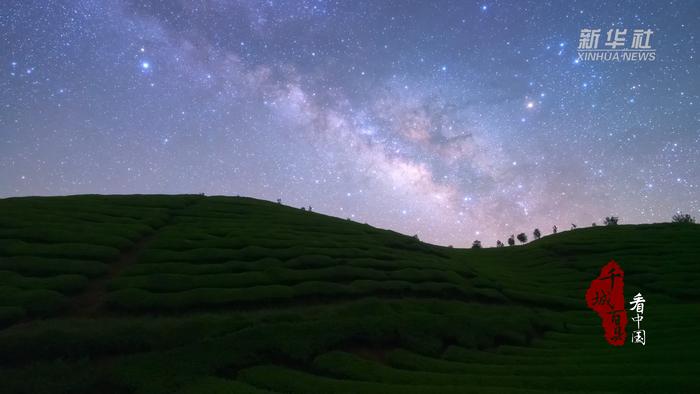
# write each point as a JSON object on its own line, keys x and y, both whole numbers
{"x": 242, "y": 295}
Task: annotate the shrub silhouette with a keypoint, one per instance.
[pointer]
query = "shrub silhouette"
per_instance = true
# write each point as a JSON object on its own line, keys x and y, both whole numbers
{"x": 554, "y": 229}
{"x": 476, "y": 244}
{"x": 499, "y": 244}
{"x": 522, "y": 238}
{"x": 611, "y": 220}
{"x": 511, "y": 240}
{"x": 681, "y": 217}
{"x": 537, "y": 234}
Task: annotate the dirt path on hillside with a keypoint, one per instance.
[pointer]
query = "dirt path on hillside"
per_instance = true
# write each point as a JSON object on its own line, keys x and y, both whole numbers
{"x": 92, "y": 298}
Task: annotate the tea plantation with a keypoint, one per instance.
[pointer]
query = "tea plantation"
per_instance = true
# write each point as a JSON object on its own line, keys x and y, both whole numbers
{"x": 195, "y": 294}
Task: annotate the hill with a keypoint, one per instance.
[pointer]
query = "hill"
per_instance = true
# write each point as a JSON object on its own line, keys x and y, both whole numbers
{"x": 194, "y": 294}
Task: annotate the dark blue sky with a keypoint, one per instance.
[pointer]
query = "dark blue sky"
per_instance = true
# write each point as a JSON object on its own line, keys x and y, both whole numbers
{"x": 451, "y": 120}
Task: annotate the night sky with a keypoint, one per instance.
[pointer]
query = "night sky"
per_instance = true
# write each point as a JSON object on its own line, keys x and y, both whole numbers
{"x": 452, "y": 120}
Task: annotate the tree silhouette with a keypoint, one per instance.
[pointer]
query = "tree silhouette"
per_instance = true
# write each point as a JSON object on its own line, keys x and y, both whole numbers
{"x": 537, "y": 234}
{"x": 611, "y": 220}
{"x": 499, "y": 244}
{"x": 476, "y": 244}
{"x": 522, "y": 238}
{"x": 554, "y": 229}
{"x": 511, "y": 240}
{"x": 681, "y": 217}
{"x": 573, "y": 226}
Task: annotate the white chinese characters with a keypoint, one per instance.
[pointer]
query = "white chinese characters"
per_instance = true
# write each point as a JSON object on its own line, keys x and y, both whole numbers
{"x": 617, "y": 45}
{"x": 589, "y": 39}
{"x": 639, "y": 335}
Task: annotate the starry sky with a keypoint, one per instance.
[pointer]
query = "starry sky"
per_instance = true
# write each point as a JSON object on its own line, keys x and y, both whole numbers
{"x": 452, "y": 120}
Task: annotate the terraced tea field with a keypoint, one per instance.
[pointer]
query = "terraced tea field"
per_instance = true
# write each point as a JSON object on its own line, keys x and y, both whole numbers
{"x": 194, "y": 294}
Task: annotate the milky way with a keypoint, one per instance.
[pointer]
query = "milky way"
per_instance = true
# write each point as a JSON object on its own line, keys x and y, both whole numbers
{"x": 454, "y": 121}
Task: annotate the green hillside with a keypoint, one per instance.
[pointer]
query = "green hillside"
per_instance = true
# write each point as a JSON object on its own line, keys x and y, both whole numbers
{"x": 194, "y": 294}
